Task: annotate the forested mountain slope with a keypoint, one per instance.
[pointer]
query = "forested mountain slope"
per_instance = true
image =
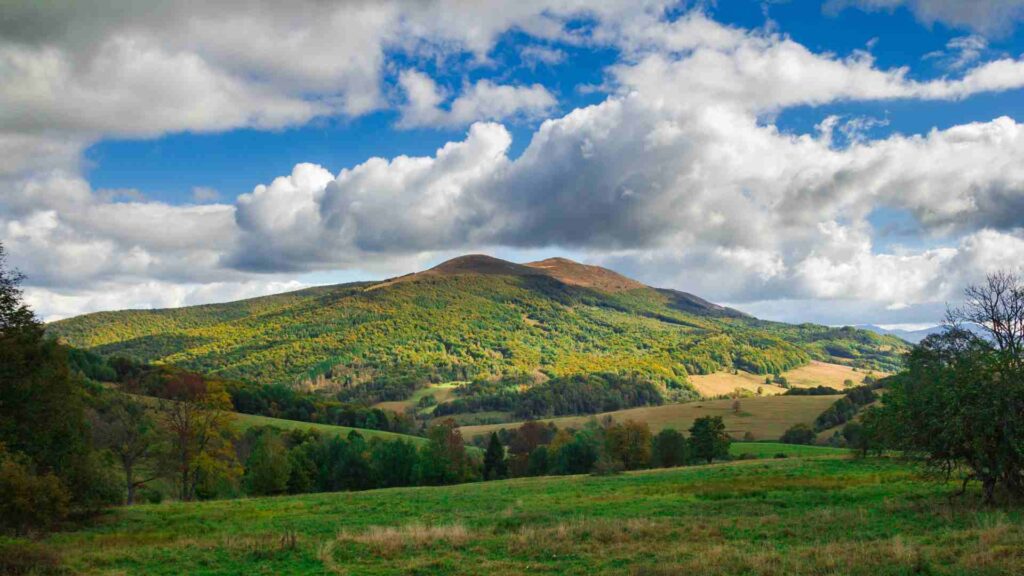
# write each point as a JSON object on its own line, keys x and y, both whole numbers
{"x": 472, "y": 317}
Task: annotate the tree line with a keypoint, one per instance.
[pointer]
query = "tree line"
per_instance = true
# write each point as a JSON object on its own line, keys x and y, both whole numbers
{"x": 600, "y": 446}
{"x": 576, "y": 394}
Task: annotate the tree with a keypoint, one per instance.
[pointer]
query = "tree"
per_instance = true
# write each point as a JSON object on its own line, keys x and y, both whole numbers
{"x": 799, "y": 434}
{"x": 15, "y": 315}
{"x": 708, "y": 439}
{"x": 394, "y": 463}
{"x": 42, "y": 408}
{"x": 960, "y": 403}
{"x": 576, "y": 456}
{"x": 197, "y": 419}
{"x": 269, "y": 468}
{"x": 29, "y": 500}
{"x": 629, "y": 443}
{"x": 127, "y": 429}
{"x": 443, "y": 460}
{"x": 669, "y": 449}
{"x": 537, "y": 464}
{"x": 495, "y": 465}
{"x": 855, "y": 436}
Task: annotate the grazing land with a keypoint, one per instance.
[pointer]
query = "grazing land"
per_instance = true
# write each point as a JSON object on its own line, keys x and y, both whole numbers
{"x": 815, "y": 373}
{"x": 828, "y": 515}
{"x": 765, "y": 418}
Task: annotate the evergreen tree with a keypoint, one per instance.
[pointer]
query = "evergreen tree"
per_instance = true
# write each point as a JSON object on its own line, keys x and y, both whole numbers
{"x": 495, "y": 465}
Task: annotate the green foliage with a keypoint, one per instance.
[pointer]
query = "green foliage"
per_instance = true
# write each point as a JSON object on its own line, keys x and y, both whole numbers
{"x": 799, "y": 434}
{"x": 395, "y": 463}
{"x": 575, "y": 394}
{"x": 708, "y": 439}
{"x": 959, "y": 407}
{"x": 43, "y": 429}
{"x": 443, "y": 460}
{"x": 29, "y": 500}
{"x": 495, "y": 464}
{"x": 669, "y": 449}
{"x": 442, "y": 328}
{"x": 814, "y": 391}
{"x": 845, "y": 408}
{"x": 269, "y": 467}
{"x": 629, "y": 444}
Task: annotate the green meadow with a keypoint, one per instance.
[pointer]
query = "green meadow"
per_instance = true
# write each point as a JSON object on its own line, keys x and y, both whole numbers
{"x": 819, "y": 515}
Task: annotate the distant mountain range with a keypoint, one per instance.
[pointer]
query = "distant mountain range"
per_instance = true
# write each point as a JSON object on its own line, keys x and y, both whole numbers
{"x": 916, "y": 336}
{"x": 473, "y": 317}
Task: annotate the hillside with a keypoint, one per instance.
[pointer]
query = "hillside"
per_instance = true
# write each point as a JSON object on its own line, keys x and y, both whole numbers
{"x": 763, "y": 418}
{"x": 826, "y": 515}
{"x": 243, "y": 422}
{"x": 468, "y": 318}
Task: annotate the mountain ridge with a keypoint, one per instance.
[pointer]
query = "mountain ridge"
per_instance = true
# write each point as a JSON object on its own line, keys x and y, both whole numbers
{"x": 470, "y": 317}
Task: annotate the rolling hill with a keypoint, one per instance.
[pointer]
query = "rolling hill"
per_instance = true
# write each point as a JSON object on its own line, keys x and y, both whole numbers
{"x": 473, "y": 317}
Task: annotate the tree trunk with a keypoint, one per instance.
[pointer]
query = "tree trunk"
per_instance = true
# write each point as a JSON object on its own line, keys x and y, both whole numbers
{"x": 988, "y": 486}
{"x": 130, "y": 480}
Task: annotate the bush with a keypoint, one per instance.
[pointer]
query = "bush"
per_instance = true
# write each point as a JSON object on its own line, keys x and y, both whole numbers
{"x": 799, "y": 434}
{"x": 29, "y": 501}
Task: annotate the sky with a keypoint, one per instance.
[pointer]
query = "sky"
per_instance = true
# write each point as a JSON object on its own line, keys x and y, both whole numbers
{"x": 839, "y": 162}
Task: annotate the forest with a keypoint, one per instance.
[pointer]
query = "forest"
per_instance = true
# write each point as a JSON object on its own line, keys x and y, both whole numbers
{"x": 377, "y": 341}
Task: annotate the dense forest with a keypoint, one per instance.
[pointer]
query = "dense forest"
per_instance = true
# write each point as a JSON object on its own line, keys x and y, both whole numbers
{"x": 379, "y": 341}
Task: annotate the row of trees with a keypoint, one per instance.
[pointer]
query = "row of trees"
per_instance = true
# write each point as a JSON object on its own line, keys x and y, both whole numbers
{"x": 301, "y": 461}
{"x": 274, "y": 400}
{"x": 576, "y": 394}
{"x": 537, "y": 449}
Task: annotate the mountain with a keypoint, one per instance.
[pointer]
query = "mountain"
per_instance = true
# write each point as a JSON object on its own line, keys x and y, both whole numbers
{"x": 916, "y": 336}
{"x": 472, "y": 317}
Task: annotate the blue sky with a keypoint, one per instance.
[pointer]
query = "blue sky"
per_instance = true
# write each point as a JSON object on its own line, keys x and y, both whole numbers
{"x": 837, "y": 162}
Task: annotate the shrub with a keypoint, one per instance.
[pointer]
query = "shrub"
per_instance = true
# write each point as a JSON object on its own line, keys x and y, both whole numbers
{"x": 799, "y": 434}
{"x": 29, "y": 501}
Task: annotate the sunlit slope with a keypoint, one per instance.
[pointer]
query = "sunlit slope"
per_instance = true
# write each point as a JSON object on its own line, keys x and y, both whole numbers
{"x": 471, "y": 317}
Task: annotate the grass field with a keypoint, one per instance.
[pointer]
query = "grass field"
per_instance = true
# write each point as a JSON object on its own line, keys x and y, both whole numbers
{"x": 814, "y": 374}
{"x": 441, "y": 392}
{"x": 246, "y": 421}
{"x": 829, "y": 515}
{"x": 766, "y": 418}
{"x": 771, "y": 449}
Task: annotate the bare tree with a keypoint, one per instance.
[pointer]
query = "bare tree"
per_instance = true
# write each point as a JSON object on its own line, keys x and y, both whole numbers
{"x": 997, "y": 306}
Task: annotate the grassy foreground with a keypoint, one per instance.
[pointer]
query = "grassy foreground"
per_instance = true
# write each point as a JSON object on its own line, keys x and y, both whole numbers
{"x": 828, "y": 515}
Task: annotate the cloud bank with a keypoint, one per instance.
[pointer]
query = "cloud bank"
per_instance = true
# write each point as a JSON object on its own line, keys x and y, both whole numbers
{"x": 678, "y": 177}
